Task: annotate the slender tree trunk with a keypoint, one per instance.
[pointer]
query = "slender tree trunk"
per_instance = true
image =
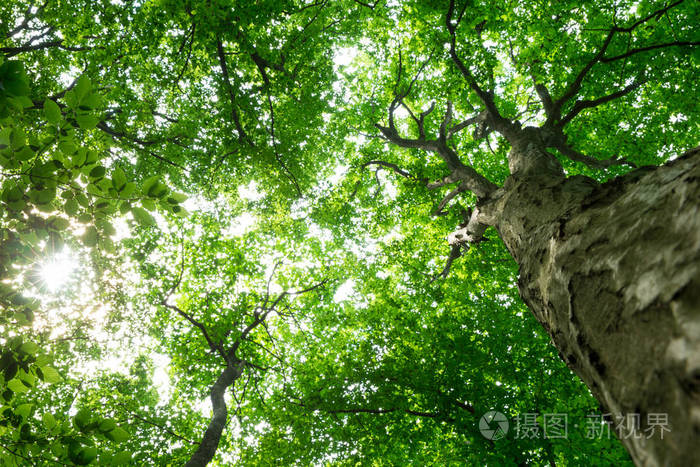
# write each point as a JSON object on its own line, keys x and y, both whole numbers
{"x": 210, "y": 441}
{"x": 612, "y": 272}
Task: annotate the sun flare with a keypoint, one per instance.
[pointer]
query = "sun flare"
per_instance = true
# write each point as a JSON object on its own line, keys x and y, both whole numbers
{"x": 57, "y": 270}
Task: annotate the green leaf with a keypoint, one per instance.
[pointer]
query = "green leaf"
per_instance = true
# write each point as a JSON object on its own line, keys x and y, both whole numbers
{"x": 52, "y": 112}
{"x": 142, "y": 216}
{"x": 5, "y": 135}
{"x": 82, "y": 199}
{"x": 128, "y": 190}
{"x": 11, "y": 370}
{"x": 71, "y": 207}
{"x": 121, "y": 458}
{"x": 92, "y": 101}
{"x": 106, "y": 227}
{"x": 58, "y": 449}
{"x": 27, "y": 378}
{"x": 59, "y": 223}
{"x": 19, "y": 139}
{"x": 23, "y": 410}
{"x": 149, "y": 183}
{"x": 82, "y": 418}
{"x": 98, "y": 172}
{"x": 87, "y": 122}
{"x": 86, "y": 455}
{"x": 29, "y": 348}
{"x": 118, "y": 179}
{"x": 49, "y": 420}
{"x": 108, "y": 425}
{"x": 51, "y": 375}
{"x": 6, "y": 360}
{"x": 177, "y": 198}
{"x": 118, "y": 435}
{"x": 77, "y": 155}
{"x": 24, "y": 154}
{"x": 148, "y": 204}
{"x": 82, "y": 88}
{"x": 17, "y": 386}
{"x": 23, "y": 101}
{"x": 90, "y": 236}
{"x": 43, "y": 196}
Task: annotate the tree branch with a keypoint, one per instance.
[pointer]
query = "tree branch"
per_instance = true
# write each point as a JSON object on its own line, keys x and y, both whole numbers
{"x": 587, "y": 104}
{"x": 12, "y": 51}
{"x": 495, "y": 119}
{"x": 545, "y": 98}
{"x": 143, "y": 144}
{"x": 450, "y": 196}
{"x": 575, "y": 85}
{"x": 278, "y": 157}
{"x": 455, "y": 252}
{"x": 590, "y": 161}
{"x": 212, "y": 345}
{"x": 242, "y": 135}
{"x": 631, "y": 52}
{"x": 398, "y": 170}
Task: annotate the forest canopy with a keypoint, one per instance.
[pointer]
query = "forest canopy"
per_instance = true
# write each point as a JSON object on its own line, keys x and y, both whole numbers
{"x": 300, "y": 232}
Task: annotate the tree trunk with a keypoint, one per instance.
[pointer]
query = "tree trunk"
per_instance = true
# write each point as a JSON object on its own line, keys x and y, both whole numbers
{"x": 612, "y": 272}
{"x": 210, "y": 441}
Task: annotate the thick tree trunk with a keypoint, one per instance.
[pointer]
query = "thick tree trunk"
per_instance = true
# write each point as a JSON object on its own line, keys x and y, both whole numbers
{"x": 612, "y": 272}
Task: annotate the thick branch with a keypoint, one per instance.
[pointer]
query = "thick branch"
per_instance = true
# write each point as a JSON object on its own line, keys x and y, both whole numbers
{"x": 587, "y": 104}
{"x": 590, "y": 161}
{"x": 455, "y": 252}
{"x": 575, "y": 85}
{"x": 12, "y": 51}
{"x": 462, "y": 125}
{"x": 450, "y": 196}
{"x": 495, "y": 119}
{"x": 468, "y": 233}
{"x": 475, "y": 182}
{"x": 452, "y": 178}
{"x": 545, "y": 98}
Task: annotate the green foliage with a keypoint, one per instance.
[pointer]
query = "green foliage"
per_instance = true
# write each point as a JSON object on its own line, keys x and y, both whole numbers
{"x": 51, "y": 187}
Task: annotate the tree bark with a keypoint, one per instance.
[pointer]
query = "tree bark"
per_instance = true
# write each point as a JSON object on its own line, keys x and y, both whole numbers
{"x": 210, "y": 441}
{"x": 612, "y": 272}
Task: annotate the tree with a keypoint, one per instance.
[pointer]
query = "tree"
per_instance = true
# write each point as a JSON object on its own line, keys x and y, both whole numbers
{"x": 608, "y": 269}
{"x": 392, "y": 352}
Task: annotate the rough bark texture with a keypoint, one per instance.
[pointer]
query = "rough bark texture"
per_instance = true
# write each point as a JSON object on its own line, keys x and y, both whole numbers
{"x": 612, "y": 272}
{"x": 210, "y": 442}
